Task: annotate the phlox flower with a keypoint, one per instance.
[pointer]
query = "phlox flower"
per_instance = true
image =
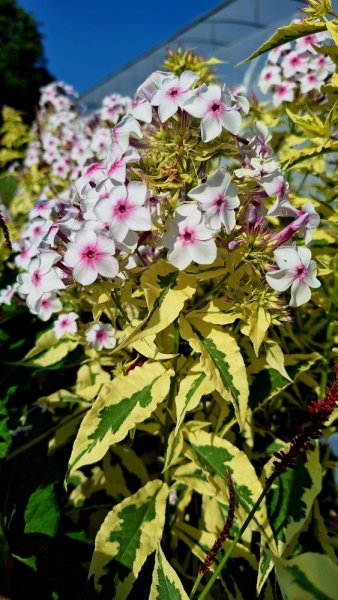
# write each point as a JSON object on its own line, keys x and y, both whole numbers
{"x": 65, "y": 323}
{"x": 284, "y": 92}
{"x": 188, "y": 239}
{"x": 322, "y": 64}
{"x": 293, "y": 63}
{"x": 128, "y": 126}
{"x": 141, "y": 110}
{"x": 213, "y": 106}
{"x": 91, "y": 255}
{"x": 311, "y": 221}
{"x": 296, "y": 270}
{"x": 101, "y": 335}
{"x": 172, "y": 94}
{"x": 275, "y": 53}
{"x": 312, "y": 81}
{"x": 47, "y": 305}
{"x": 270, "y": 75}
{"x": 7, "y": 294}
{"x": 218, "y": 198}
{"x": 41, "y": 277}
{"x": 117, "y": 160}
{"x": 123, "y": 209}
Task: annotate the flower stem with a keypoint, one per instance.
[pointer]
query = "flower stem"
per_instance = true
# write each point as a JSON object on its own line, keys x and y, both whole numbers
{"x": 233, "y": 544}
{"x": 117, "y": 302}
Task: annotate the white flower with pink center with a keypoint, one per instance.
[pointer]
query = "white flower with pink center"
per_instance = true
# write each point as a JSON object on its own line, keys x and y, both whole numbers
{"x": 41, "y": 277}
{"x": 141, "y": 110}
{"x": 213, "y": 106}
{"x": 124, "y": 209}
{"x": 293, "y": 63}
{"x": 101, "y": 335}
{"x": 65, "y": 323}
{"x": 296, "y": 270}
{"x": 218, "y": 198}
{"x": 275, "y": 53}
{"x": 128, "y": 126}
{"x": 25, "y": 255}
{"x": 36, "y": 230}
{"x": 189, "y": 239}
{"x": 305, "y": 44}
{"x": 46, "y": 306}
{"x": 322, "y": 65}
{"x": 270, "y": 75}
{"x": 312, "y": 81}
{"x": 284, "y": 92}
{"x": 116, "y": 162}
{"x": 174, "y": 91}
{"x": 7, "y": 294}
{"x": 91, "y": 255}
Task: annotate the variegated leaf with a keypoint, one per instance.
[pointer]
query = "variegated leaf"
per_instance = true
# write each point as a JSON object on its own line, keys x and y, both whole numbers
{"x": 213, "y": 455}
{"x": 123, "y": 403}
{"x": 309, "y": 576}
{"x": 166, "y": 584}
{"x": 289, "y": 504}
{"x": 221, "y": 359}
{"x": 192, "y": 387}
{"x": 129, "y": 533}
{"x": 288, "y": 33}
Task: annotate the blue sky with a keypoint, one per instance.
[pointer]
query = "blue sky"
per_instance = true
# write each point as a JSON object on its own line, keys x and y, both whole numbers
{"x": 87, "y": 40}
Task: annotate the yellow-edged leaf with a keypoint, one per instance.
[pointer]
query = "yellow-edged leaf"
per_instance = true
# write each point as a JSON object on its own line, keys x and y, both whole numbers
{"x": 222, "y": 361}
{"x": 166, "y": 584}
{"x": 123, "y": 403}
{"x": 129, "y": 533}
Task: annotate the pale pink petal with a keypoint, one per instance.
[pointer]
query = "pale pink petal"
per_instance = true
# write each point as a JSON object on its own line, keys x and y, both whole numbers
{"x": 85, "y": 273}
{"x": 108, "y": 266}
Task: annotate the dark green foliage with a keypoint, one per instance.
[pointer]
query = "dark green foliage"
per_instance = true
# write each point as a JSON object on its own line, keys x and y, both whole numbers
{"x": 22, "y": 64}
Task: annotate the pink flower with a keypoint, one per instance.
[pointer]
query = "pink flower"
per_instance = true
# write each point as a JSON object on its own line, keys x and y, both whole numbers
{"x": 91, "y": 255}
{"x": 46, "y": 306}
{"x": 296, "y": 270}
{"x": 101, "y": 335}
{"x": 188, "y": 239}
{"x": 212, "y": 105}
{"x": 173, "y": 92}
{"x": 65, "y": 323}
{"x": 218, "y": 197}
{"x": 270, "y": 75}
{"x": 284, "y": 93}
{"x": 294, "y": 63}
{"x": 312, "y": 81}
{"x": 41, "y": 277}
{"x": 124, "y": 209}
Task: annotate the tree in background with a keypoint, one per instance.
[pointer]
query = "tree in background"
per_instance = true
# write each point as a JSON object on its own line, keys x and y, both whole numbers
{"x": 22, "y": 63}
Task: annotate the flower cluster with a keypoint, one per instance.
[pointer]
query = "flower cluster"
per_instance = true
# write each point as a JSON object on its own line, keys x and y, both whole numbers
{"x": 175, "y": 180}
{"x": 293, "y": 69}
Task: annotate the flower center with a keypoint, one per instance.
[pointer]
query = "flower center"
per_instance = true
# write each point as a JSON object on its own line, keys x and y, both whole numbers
{"x": 90, "y": 254}
{"x": 215, "y": 107}
{"x": 300, "y": 272}
{"x": 36, "y": 278}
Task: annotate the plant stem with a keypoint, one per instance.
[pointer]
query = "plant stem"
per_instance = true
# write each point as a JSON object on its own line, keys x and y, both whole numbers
{"x": 233, "y": 544}
{"x": 171, "y": 398}
{"x": 43, "y": 435}
{"x": 116, "y": 300}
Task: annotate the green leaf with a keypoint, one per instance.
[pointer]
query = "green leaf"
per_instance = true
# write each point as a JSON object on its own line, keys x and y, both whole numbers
{"x": 42, "y": 512}
{"x": 221, "y": 359}
{"x": 126, "y": 401}
{"x": 166, "y": 584}
{"x": 5, "y": 436}
{"x": 129, "y": 533}
{"x": 309, "y": 576}
{"x": 287, "y": 33}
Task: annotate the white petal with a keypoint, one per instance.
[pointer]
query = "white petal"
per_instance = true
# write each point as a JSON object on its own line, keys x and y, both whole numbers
{"x": 279, "y": 280}
{"x": 300, "y": 293}
{"x": 139, "y": 219}
{"x": 187, "y": 79}
{"x": 84, "y": 273}
{"x": 204, "y": 253}
{"x": 108, "y": 266}
{"x": 137, "y": 193}
{"x": 231, "y": 121}
{"x": 305, "y": 255}
{"x": 167, "y": 109}
{"x": 287, "y": 257}
{"x": 179, "y": 257}
{"x": 210, "y": 128}
{"x": 105, "y": 244}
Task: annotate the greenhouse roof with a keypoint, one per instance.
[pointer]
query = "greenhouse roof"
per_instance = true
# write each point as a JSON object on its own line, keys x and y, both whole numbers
{"x": 230, "y": 31}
